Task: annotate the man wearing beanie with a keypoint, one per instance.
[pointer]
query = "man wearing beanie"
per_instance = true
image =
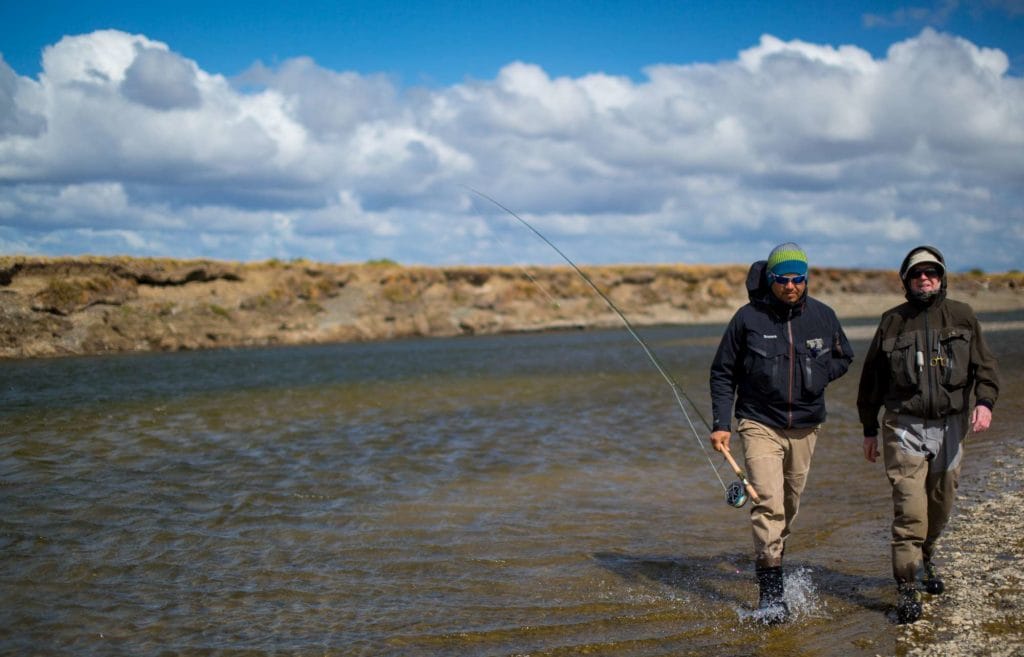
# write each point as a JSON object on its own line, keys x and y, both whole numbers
{"x": 775, "y": 359}
{"x": 926, "y": 358}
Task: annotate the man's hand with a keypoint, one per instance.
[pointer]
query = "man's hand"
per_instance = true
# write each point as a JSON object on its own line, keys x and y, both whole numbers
{"x": 871, "y": 448}
{"x": 981, "y": 419}
{"x": 720, "y": 440}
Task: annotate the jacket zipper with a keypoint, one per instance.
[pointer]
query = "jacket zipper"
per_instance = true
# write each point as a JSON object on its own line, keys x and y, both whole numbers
{"x": 792, "y": 360}
{"x": 929, "y": 366}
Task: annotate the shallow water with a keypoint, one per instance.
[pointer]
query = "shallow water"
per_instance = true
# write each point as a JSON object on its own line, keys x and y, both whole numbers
{"x": 532, "y": 494}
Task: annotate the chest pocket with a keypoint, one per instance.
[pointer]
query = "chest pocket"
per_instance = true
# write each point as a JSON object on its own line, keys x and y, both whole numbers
{"x": 767, "y": 364}
{"x": 955, "y": 356}
{"x": 815, "y": 365}
{"x": 902, "y": 353}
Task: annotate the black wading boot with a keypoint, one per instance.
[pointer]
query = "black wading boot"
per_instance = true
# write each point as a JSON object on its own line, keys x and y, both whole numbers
{"x": 908, "y": 606}
{"x": 932, "y": 581}
{"x": 771, "y": 605}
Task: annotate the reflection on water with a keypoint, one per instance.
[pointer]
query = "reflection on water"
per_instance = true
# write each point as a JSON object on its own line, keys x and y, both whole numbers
{"x": 533, "y": 494}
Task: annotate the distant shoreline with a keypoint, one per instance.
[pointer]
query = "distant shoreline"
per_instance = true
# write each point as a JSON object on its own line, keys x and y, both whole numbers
{"x": 91, "y": 305}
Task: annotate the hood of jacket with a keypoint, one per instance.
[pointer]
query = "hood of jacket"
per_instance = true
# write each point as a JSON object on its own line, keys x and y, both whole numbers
{"x": 906, "y": 283}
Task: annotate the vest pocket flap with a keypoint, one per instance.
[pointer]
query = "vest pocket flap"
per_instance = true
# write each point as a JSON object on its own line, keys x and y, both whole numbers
{"x": 954, "y": 333}
{"x": 899, "y": 342}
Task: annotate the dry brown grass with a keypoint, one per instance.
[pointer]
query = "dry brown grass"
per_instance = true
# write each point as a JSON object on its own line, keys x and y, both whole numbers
{"x": 64, "y": 296}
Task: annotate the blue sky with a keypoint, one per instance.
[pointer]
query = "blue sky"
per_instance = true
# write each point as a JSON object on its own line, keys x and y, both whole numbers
{"x": 444, "y": 42}
{"x": 628, "y": 132}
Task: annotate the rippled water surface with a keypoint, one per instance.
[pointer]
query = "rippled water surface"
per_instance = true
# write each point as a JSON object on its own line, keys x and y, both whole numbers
{"x": 532, "y": 494}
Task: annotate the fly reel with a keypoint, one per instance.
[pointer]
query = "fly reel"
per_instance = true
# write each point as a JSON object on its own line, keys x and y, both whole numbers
{"x": 736, "y": 494}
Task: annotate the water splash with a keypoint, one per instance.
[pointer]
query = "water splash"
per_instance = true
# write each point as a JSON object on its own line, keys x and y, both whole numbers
{"x": 801, "y": 597}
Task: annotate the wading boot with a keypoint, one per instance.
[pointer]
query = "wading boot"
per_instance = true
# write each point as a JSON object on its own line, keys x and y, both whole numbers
{"x": 908, "y": 607}
{"x": 771, "y": 606}
{"x": 932, "y": 582}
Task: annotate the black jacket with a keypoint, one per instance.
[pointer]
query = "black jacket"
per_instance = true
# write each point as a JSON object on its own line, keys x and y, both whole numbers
{"x": 776, "y": 359}
{"x": 926, "y": 359}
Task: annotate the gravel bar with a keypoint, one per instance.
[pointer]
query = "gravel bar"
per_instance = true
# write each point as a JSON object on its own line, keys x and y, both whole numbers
{"x": 981, "y": 559}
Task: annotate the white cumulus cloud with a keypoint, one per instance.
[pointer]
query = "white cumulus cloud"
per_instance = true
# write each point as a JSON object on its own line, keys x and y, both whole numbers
{"x": 122, "y": 145}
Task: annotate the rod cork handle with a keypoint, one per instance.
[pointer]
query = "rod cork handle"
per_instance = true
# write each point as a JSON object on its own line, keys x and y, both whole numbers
{"x": 742, "y": 475}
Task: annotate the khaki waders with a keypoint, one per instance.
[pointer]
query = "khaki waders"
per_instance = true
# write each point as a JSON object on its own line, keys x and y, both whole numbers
{"x": 777, "y": 461}
{"x": 922, "y": 462}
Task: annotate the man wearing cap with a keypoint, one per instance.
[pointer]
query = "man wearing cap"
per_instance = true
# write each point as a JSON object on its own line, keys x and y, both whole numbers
{"x": 927, "y": 357}
{"x": 775, "y": 359}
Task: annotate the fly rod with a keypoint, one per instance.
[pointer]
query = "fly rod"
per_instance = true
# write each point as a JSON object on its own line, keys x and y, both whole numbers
{"x": 737, "y": 493}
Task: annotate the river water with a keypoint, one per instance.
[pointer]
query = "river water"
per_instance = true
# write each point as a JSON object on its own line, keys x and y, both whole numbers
{"x": 531, "y": 494}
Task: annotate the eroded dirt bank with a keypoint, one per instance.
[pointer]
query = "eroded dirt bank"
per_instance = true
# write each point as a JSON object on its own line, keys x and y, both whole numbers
{"x": 64, "y": 306}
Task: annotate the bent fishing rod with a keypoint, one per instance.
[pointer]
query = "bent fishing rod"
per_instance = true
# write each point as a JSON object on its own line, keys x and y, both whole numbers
{"x": 736, "y": 493}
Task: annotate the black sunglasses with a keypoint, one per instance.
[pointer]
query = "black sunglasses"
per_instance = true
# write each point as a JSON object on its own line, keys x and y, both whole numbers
{"x": 930, "y": 272}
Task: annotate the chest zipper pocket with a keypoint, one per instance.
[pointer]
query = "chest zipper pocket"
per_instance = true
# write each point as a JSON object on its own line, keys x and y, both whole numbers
{"x": 765, "y": 367}
{"x": 903, "y": 362}
{"x": 954, "y": 356}
{"x": 815, "y": 372}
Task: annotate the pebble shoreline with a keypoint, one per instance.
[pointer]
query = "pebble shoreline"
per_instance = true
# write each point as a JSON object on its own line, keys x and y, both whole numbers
{"x": 981, "y": 556}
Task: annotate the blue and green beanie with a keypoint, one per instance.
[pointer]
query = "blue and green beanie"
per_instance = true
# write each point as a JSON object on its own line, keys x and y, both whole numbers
{"x": 787, "y": 258}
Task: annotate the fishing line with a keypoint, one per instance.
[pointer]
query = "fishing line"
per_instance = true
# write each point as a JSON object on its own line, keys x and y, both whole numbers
{"x": 528, "y": 275}
{"x": 680, "y": 395}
